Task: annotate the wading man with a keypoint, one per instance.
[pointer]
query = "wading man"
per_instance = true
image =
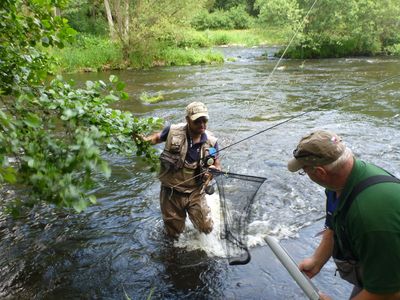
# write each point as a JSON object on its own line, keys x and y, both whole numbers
{"x": 363, "y": 217}
{"x": 183, "y": 172}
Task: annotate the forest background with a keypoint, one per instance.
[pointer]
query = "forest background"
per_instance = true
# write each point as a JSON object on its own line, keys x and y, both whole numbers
{"x": 117, "y": 34}
{"x": 53, "y": 134}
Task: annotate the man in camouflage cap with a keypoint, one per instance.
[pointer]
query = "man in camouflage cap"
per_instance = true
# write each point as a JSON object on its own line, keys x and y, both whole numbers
{"x": 183, "y": 175}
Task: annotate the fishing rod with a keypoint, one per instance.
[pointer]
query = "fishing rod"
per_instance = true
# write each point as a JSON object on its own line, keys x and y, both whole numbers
{"x": 363, "y": 88}
{"x": 262, "y": 88}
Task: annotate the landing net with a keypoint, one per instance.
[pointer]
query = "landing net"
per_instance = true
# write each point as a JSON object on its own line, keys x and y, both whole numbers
{"x": 236, "y": 193}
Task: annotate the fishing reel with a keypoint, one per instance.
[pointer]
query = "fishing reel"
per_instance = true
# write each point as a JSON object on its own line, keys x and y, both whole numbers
{"x": 208, "y": 161}
{"x": 210, "y": 158}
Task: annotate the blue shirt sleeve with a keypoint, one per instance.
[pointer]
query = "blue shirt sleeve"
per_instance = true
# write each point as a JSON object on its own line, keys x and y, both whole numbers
{"x": 216, "y": 149}
{"x": 331, "y": 204}
{"x": 164, "y": 133}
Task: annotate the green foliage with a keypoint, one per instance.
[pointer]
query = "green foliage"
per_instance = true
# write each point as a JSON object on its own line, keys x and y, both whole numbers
{"x": 182, "y": 57}
{"x": 248, "y": 37}
{"x": 393, "y": 49}
{"x": 240, "y": 18}
{"x": 335, "y": 27}
{"x": 216, "y": 20}
{"x": 86, "y": 16}
{"x": 151, "y": 99}
{"x": 156, "y": 23}
{"x": 89, "y": 53}
{"x": 278, "y": 13}
{"x": 52, "y": 136}
{"x": 234, "y": 18}
{"x": 192, "y": 39}
{"x": 249, "y": 5}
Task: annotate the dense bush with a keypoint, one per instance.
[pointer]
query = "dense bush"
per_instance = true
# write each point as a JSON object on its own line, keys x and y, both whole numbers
{"x": 235, "y": 18}
{"x": 336, "y": 27}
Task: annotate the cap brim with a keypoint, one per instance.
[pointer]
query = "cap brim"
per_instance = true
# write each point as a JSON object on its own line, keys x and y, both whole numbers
{"x": 199, "y": 115}
{"x": 294, "y": 165}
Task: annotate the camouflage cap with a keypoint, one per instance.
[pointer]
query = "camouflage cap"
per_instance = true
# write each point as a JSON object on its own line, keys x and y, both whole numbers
{"x": 196, "y": 110}
{"x": 316, "y": 149}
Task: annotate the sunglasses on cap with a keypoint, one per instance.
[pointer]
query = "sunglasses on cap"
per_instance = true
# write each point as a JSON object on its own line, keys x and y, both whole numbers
{"x": 302, "y": 154}
{"x": 198, "y": 121}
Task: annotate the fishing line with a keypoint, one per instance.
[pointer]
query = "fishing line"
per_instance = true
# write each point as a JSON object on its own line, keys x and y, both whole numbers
{"x": 363, "y": 88}
{"x": 262, "y": 89}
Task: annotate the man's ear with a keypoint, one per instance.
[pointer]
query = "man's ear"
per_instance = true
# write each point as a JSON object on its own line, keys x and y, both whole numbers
{"x": 320, "y": 171}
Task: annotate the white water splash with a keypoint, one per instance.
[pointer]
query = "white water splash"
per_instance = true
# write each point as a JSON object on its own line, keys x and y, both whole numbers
{"x": 192, "y": 239}
{"x": 211, "y": 243}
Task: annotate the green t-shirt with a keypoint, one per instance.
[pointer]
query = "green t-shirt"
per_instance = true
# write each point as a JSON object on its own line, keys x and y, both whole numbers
{"x": 373, "y": 226}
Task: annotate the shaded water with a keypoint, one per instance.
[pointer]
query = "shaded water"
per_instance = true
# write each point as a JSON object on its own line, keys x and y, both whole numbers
{"x": 115, "y": 250}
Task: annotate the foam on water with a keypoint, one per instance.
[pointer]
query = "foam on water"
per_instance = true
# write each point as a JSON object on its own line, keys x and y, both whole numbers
{"x": 192, "y": 239}
{"x": 211, "y": 243}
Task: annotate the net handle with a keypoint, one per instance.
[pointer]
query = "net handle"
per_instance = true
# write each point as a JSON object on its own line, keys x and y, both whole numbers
{"x": 287, "y": 261}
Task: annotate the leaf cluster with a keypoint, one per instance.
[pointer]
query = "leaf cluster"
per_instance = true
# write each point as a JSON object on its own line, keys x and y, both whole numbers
{"x": 52, "y": 134}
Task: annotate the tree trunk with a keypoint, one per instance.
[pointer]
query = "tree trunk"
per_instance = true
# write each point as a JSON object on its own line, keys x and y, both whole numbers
{"x": 109, "y": 19}
{"x": 126, "y": 22}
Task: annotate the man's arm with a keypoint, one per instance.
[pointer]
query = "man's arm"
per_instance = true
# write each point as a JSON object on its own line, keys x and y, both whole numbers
{"x": 155, "y": 138}
{"x": 312, "y": 265}
{"x": 365, "y": 295}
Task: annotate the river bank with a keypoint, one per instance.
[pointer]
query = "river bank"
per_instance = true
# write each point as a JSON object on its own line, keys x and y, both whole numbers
{"x": 95, "y": 53}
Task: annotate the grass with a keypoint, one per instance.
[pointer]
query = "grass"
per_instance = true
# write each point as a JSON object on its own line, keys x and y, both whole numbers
{"x": 89, "y": 54}
{"x": 247, "y": 37}
{"x": 189, "y": 56}
{"x": 93, "y": 53}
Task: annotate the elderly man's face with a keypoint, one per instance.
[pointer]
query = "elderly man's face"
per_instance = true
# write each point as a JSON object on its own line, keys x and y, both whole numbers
{"x": 319, "y": 175}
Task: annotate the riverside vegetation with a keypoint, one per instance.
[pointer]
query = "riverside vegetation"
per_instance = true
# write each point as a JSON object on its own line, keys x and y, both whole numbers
{"x": 183, "y": 33}
{"x": 53, "y": 134}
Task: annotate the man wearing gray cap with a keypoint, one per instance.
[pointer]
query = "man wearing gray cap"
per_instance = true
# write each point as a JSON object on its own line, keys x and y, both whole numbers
{"x": 183, "y": 172}
{"x": 362, "y": 216}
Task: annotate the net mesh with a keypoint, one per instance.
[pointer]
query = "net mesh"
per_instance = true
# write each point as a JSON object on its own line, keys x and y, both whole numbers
{"x": 236, "y": 193}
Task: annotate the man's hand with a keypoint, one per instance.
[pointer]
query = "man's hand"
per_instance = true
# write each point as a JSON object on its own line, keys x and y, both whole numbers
{"x": 153, "y": 139}
{"x": 310, "y": 266}
{"x": 322, "y": 296}
{"x": 215, "y": 167}
{"x": 137, "y": 137}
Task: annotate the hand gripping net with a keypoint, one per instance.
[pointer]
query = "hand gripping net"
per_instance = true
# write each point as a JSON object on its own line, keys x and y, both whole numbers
{"x": 236, "y": 193}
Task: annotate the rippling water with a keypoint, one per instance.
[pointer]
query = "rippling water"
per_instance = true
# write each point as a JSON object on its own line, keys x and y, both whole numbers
{"x": 115, "y": 250}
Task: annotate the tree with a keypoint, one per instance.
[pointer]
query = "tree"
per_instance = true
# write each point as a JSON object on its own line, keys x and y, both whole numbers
{"x": 52, "y": 135}
{"x": 109, "y": 19}
{"x": 335, "y": 27}
{"x": 140, "y": 24}
{"x": 88, "y": 16}
{"x": 229, "y": 4}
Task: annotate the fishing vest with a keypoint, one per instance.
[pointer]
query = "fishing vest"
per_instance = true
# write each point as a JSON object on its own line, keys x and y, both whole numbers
{"x": 175, "y": 171}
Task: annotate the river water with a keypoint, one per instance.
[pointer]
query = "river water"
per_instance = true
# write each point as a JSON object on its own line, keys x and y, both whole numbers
{"x": 115, "y": 250}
